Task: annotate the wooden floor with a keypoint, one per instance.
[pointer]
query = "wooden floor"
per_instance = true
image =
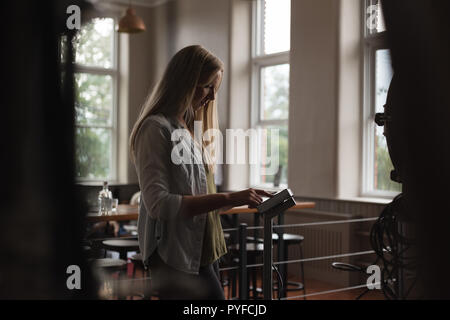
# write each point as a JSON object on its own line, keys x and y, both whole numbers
{"x": 319, "y": 290}
{"x": 313, "y": 288}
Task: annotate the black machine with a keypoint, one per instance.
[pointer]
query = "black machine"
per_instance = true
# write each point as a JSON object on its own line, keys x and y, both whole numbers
{"x": 269, "y": 209}
{"x": 390, "y": 236}
{"x": 393, "y": 129}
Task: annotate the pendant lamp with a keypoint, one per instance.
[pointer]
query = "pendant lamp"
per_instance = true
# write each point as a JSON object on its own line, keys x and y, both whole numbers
{"x": 131, "y": 23}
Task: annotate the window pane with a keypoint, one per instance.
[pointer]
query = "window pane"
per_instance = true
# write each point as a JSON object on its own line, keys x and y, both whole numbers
{"x": 93, "y": 153}
{"x": 94, "y": 44}
{"x": 271, "y": 163}
{"x": 383, "y": 163}
{"x": 275, "y": 92}
{"x": 383, "y": 77}
{"x": 277, "y": 26}
{"x": 380, "y": 21}
{"x": 63, "y": 48}
{"x": 374, "y": 17}
{"x": 94, "y": 99}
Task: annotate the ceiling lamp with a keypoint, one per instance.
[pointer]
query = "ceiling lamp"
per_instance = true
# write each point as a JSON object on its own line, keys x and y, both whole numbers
{"x": 131, "y": 23}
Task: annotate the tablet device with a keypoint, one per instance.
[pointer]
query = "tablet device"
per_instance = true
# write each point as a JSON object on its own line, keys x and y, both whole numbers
{"x": 282, "y": 200}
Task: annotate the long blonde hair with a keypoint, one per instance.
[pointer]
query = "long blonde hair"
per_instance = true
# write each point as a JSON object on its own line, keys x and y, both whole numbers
{"x": 173, "y": 94}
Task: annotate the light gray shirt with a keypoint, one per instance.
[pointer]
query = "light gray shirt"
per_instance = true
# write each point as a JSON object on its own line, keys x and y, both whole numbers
{"x": 163, "y": 182}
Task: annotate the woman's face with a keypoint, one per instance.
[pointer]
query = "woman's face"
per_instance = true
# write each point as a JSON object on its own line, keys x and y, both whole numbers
{"x": 206, "y": 92}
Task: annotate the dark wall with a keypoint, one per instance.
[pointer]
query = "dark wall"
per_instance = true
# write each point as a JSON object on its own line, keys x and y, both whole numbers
{"x": 42, "y": 215}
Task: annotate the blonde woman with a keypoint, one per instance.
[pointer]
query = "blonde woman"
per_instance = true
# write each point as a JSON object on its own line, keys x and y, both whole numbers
{"x": 179, "y": 229}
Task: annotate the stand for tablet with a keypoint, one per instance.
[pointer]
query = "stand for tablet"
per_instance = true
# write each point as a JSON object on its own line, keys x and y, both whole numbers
{"x": 269, "y": 209}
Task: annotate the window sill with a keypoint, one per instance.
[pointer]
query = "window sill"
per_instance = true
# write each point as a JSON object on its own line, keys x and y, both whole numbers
{"x": 372, "y": 200}
{"x": 375, "y": 200}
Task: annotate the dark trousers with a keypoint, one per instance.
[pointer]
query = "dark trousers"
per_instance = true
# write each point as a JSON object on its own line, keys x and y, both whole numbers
{"x": 173, "y": 284}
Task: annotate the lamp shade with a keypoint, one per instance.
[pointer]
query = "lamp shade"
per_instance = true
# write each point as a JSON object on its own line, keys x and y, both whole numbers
{"x": 131, "y": 23}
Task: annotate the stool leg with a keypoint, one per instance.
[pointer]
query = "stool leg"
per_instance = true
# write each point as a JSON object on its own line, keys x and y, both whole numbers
{"x": 302, "y": 270}
{"x": 251, "y": 280}
{"x": 123, "y": 255}
{"x": 230, "y": 283}
{"x": 145, "y": 274}
{"x": 233, "y": 286}
{"x": 284, "y": 272}
{"x": 134, "y": 269}
{"x": 119, "y": 287}
{"x": 254, "y": 280}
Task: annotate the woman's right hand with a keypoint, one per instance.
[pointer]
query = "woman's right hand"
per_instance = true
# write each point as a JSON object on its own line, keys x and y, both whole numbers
{"x": 250, "y": 197}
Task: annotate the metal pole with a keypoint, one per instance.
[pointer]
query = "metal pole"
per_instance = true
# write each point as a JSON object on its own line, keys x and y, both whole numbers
{"x": 268, "y": 228}
{"x": 267, "y": 269}
{"x": 282, "y": 256}
{"x": 243, "y": 284}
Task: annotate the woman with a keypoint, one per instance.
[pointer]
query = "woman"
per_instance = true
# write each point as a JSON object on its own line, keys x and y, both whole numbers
{"x": 179, "y": 229}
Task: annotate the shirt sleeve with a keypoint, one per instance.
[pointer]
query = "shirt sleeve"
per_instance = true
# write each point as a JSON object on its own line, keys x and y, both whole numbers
{"x": 153, "y": 149}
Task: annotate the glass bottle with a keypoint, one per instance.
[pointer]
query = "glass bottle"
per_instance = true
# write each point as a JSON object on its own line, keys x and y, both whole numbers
{"x": 105, "y": 200}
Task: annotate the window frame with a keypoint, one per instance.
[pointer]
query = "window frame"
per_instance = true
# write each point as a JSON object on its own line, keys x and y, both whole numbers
{"x": 258, "y": 62}
{"x": 113, "y": 72}
{"x": 372, "y": 41}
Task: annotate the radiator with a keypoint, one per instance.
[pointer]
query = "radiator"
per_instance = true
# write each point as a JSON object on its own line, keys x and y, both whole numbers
{"x": 327, "y": 240}
{"x": 320, "y": 241}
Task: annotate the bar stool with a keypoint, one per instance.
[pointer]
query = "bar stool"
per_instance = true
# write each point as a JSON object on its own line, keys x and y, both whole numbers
{"x": 138, "y": 264}
{"x": 289, "y": 240}
{"x": 123, "y": 246}
{"x": 254, "y": 250}
{"x": 110, "y": 265}
{"x": 107, "y": 268}
{"x": 225, "y": 281}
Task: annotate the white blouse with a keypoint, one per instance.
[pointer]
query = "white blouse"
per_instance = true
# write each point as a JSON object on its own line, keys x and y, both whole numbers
{"x": 161, "y": 144}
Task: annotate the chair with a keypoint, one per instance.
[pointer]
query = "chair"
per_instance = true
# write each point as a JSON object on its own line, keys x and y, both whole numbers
{"x": 131, "y": 229}
{"x": 135, "y": 199}
{"x": 352, "y": 268}
{"x": 123, "y": 246}
{"x": 131, "y": 226}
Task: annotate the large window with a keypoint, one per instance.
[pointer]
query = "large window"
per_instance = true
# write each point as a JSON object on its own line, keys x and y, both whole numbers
{"x": 270, "y": 91}
{"x": 95, "y": 101}
{"x": 378, "y": 73}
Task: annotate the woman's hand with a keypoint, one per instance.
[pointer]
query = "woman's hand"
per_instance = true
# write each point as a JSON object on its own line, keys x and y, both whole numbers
{"x": 251, "y": 197}
{"x": 200, "y": 204}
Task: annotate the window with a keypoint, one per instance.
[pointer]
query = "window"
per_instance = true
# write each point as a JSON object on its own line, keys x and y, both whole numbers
{"x": 270, "y": 91}
{"x": 378, "y": 73}
{"x": 95, "y": 100}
